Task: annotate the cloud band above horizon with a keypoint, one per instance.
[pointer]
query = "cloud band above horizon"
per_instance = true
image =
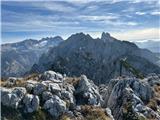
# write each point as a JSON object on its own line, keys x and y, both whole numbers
{"x": 125, "y": 20}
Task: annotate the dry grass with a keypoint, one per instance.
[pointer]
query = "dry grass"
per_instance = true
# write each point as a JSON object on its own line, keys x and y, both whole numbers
{"x": 72, "y": 80}
{"x": 65, "y": 117}
{"x": 33, "y": 76}
{"x": 88, "y": 113}
{"x": 157, "y": 90}
{"x": 2, "y": 83}
{"x": 19, "y": 82}
{"x": 94, "y": 113}
{"x": 157, "y": 93}
{"x": 152, "y": 104}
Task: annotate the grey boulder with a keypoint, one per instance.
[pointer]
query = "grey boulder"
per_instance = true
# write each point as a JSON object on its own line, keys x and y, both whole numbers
{"x": 30, "y": 84}
{"x": 46, "y": 95}
{"x": 87, "y": 92}
{"x": 54, "y": 87}
{"x": 55, "y": 106}
{"x": 31, "y": 103}
{"x": 53, "y": 76}
{"x": 39, "y": 88}
{"x": 12, "y": 97}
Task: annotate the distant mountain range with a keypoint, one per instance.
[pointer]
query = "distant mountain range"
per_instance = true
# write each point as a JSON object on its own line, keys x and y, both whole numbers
{"x": 151, "y": 45}
{"x": 79, "y": 54}
{"x": 99, "y": 59}
{"x": 18, "y": 58}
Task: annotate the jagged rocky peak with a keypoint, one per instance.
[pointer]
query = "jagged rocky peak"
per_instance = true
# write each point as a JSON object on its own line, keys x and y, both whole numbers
{"x": 52, "y": 38}
{"x": 106, "y": 37}
{"x": 80, "y": 36}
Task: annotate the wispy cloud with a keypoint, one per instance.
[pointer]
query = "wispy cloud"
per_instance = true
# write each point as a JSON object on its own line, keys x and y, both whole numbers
{"x": 136, "y": 35}
{"x": 140, "y": 13}
{"x": 146, "y": 1}
{"x": 155, "y": 13}
{"x": 55, "y": 6}
{"x": 98, "y": 18}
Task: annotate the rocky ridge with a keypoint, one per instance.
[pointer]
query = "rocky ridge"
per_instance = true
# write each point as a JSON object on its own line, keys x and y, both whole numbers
{"x": 19, "y": 57}
{"x": 81, "y": 54}
{"x": 53, "y": 95}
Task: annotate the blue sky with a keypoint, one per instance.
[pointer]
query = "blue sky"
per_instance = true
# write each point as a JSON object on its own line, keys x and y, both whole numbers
{"x": 131, "y": 20}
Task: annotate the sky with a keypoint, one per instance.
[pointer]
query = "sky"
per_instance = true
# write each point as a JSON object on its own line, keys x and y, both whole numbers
{"x": 132, "y": 20}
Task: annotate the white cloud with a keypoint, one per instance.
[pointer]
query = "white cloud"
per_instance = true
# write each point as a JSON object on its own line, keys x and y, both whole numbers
{"x": 98, "y": 18}
{"x": 150, "y": 13}
{"x": 35, "y": 22}
{"x": 120, "y": 23}
{"x": 140, "y": 13}
{"x": 130, "y": 9}
{"x": 58, "y": 7}
{"x": 133, "y": 35}
{"x": 155, "y": 13}
{"x": 139, "y": 1}
{"x": 113, "y": 20}
{"x": 131, "y": 23}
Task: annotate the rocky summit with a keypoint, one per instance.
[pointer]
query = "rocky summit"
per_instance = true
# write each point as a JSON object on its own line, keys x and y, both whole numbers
{"x": 54, "y": 96}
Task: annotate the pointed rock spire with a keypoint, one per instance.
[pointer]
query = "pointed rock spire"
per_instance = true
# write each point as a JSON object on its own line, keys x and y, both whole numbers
{"x": 105, "y": 37}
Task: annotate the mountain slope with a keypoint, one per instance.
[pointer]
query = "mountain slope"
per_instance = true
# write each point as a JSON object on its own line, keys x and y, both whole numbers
{"x": 18, "y": 58}
{"x": 99, "y": 59}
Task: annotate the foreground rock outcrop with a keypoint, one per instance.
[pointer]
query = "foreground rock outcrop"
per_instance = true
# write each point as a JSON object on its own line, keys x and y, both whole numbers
{"x": 129, "y": 98}
{"x": 55, "y": 95}
{"x": 51, "y": 95}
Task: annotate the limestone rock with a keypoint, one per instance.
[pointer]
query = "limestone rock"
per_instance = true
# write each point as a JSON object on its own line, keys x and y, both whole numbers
{"x": 66, "y": 95}
{"x": 87, "y": 92}
{"x": 55, "y": 106}
{"x": 46, "y": 95}
{"x": 153, "y": 79}
{"x": 39, "y": 88}
{"x": 31, "y": 103}
{"x": 53, "y": 76}
{"x": 140, "y": 88}
{"x": 54, "y": 87}
{"x": 12, "y": 97}
{"x": 128, "y": 92}
{"x": 11, "y": 81}
{"x": 109, "y": 113}
{"x": 30, "y": 84}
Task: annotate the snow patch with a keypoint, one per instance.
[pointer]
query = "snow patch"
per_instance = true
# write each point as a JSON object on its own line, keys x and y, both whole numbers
{"x": 41, "y": 44}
